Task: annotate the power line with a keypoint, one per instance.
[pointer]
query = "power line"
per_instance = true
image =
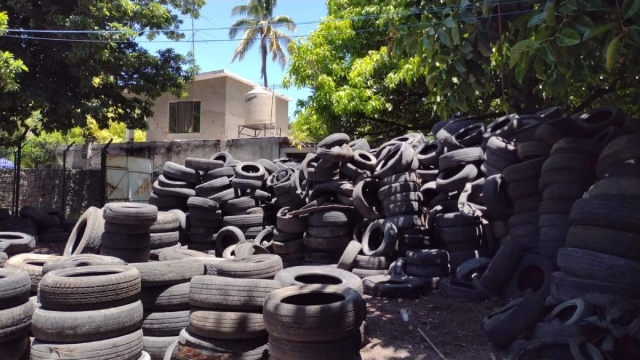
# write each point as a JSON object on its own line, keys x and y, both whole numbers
{"x": 360, "y": 17}
{"x": 235, "y": 40}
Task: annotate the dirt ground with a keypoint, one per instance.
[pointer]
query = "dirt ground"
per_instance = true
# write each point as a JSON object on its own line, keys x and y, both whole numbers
{"x": 452, "y": 325}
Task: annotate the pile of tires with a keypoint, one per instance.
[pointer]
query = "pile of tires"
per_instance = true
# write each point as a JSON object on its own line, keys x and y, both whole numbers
{"x": 89, "y": 310}
{"x": 165, "y": 300}
{"x": 225, "y": 318}
{"x": 86, "y": 236}
{"x": 314, "y": 322}
{"x": 47, "y": 224}
{"x": 288, "y": 242}
{"x": 31, "y": 264}
{"x": 16, "y": 310}
{"x": 127, "y": 231}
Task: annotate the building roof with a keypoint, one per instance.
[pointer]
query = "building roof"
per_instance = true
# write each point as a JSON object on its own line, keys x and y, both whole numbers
{"x": 224, "y": 73}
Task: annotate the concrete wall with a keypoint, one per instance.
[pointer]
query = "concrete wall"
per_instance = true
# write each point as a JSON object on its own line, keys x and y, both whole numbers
{"x": 221, "y": 111}
{"x": 212, "y": 95}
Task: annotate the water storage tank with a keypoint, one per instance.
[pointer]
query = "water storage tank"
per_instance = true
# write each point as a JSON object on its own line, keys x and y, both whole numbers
{"x": 259, "y": 107}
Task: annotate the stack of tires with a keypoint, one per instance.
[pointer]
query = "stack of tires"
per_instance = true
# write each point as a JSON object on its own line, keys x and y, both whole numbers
{"x": 430, "y": 265}
{"x": 87, "y": 311}
{"x": 327, "y": 236}
{"x": 48, "y": 226}
{"x": 126, "y": 231}
{"x": 20, "y": 224}
{"x": 165, "y": 300}
{"x": 500, "y": 153}
{"x": 285, "y": 185}
{"x": 463, "y": 238}
{"x": 603, "y": 252}
{"x": 32, "y": 264}
{"x": 226, "y": 318}
{"x": 566, "y": 175}
{"x": 288, "y": 236}
{"x": 164, "y": 233}
{"x": 86, "y": 236}
{"x": 15, "y": 314}
{"x": 378, "y": 248}
{"x": 174, "y": 186}
{"x": 314, "y": 322}
{"x": 260, "y": 266}
{"x": 204, "y": 223}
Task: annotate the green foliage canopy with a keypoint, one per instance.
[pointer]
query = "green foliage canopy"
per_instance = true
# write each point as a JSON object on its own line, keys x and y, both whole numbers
{"x": 76, "y": 76}
{"x": 382, "y": 68}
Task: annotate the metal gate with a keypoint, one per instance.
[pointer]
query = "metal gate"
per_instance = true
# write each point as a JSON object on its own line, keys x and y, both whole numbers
{"x": 128, "y": 178}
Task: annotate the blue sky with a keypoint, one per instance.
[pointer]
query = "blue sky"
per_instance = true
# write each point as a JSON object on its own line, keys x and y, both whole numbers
{"x": 215, "y": 54}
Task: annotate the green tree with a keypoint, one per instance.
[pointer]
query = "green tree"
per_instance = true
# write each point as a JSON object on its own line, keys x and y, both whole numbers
{"x": 9, "y": 66}
{"x": 377, "y": 69}
{"x": 261, "y": 26}
{"x": 76, "y": 76}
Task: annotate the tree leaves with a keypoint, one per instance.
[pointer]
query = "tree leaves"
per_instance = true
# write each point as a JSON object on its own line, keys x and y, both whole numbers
{"x": 486, "y": 7}
{"x": 629, "y": 8}
{"x": 612, "y": 52}
{"x": 567, "y": 37}
{"x": 444, "y": 38}
{"x": 598, "y": 30}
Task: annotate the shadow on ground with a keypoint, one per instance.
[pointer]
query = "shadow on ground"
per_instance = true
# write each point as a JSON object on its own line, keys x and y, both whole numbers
{"x": 452, "y": 325}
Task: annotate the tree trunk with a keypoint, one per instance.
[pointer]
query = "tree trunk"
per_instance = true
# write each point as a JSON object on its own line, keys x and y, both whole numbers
{"x": 263, "y": 52}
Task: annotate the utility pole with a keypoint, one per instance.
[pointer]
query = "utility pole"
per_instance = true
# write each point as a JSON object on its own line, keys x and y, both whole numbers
{"x": 193, "y": 38}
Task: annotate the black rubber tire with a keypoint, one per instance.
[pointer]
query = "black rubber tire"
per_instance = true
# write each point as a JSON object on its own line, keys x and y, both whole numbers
{"x": 202, "y": 203}
{"x": 73, "y": 261}
{"x": 219, "y": 293}
{"x": 553, "y": 220}
{"x": 497, "y": 162}
{"x": 348, "y": 259}
{"x": 252, "y": 267}
{"x": 594, "y": 121}
{"x": 344, "y": 348}
{"x": 203, "y": 165}
{"x": 162, "y": 240}
{"x": 427, "y": 271}
{"x": 428, "y": 257}
{"x": 360, "y": 144}
{"x": 388, "y": 286}
{"x": 619, "y": 150}
{"x": 157, "y": 346}
{"x": 564, "y": 162}
{"x": 364, "y": 160}
{"x": 504, "y": 126}
{"x": 226, "y": 171}
{"x": 168, "y": 272}
{"x": 12, "y": 243}
{"x": 598, "y": 266}
{"x": 505, "y": 324}
{"x": 336, "y": 139}
{"x": 533, "y": 274}
{"x": 180, "y": 172}
{"x": 525, "y": 205}
{"x": 429, "y": 153}
{"x": 495, "y": 198}
{"x": 213, "y": 187}
{"x": 108, "y": 285}
{"x": 226, "y": 195}
{"x": 326, "y": 244}
{"x": 500, "y": 229}
{"x": 616, "y": 186}
{"x": 454, "y": 179}
{"x": 166, "y": 297}
{"x": 327, "y": 218}
{"x": 402, "y": 208}
{"x": 86, "y": 235}
{"x": 365, "y": 262}
{"x": 319, "y": 258}
{"x": 228, "y": 236}
{"x": 470, "y": 135}
{"x": 246, "y": 184}
{"x": 166, "y": 222}
{"x": 527, "y": 170}
{"x": 328, "y": 231}
{"x": 176, "y": 253}
{"x": 568, "y": 191}
{"x": 398, "y": 159}
{"x": 243, "y": 221}
{"x": 406, "y": 221}
{"x": 226, "y": 325}
{"x": 15, "y": 286}
{"x": 322, "y": 275}
{"x": 41, "y": 218}
{"x": 613, "y": 213}
{"x": 85, "y": 326}
{"x": 472, "y": 268}
{"x": 396, "y": 189}
{"x": 130, "y": 213}
{"x": 460, "y": 157}
{"x": 286, "y": 248}
{"x": 503, "y": 148}
{"x": 31, "y": 264}
{"x": 239, "y": 205}
{"x": 168, "y": 323}
{"x": 126, "y": 241}
{"x": 365, "y": 200}
{"x": 523, "y": 189}
{"x": 128, "y": 255}
{"x": 403, "y": 198}
{"x": 167, "y": 182}
{"x": 497, "y": 275}
{"x": 166, "y": 203}
{"x": 565, "y": 287}
{"x": 126, "y": 347}
{"x": 173, "y": 192}
{"x": 387, "y": 241}
{"x": 533, "y": 149}
{"x": 206, "y": 348}
{"x": 524, "y": 231}
{"x": 555, "y": 207}
{"x": 301, "y": 312}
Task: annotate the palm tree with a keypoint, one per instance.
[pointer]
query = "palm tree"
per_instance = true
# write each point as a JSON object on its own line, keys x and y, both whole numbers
{"x": 260, "y": 24}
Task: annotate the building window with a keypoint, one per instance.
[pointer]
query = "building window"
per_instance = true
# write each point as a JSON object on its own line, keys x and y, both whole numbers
{"x": 184, "y": 117}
